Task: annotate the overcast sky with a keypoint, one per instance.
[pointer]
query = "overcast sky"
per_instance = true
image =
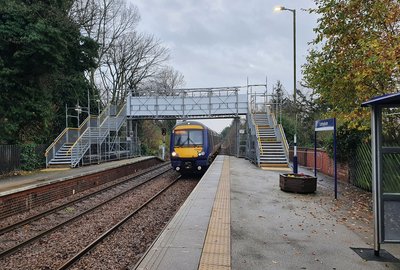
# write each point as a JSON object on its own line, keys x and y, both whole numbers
{"x": 222, "y": 42}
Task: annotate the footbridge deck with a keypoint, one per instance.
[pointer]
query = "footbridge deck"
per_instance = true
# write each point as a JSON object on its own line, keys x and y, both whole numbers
{"x": 224, "y": 102}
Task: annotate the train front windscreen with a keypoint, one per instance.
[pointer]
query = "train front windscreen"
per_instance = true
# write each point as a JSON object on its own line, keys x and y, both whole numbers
{"x": 188, "y": 138}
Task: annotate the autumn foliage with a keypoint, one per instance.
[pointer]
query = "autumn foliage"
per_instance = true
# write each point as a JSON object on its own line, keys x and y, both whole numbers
{"x": 356, "y": 56}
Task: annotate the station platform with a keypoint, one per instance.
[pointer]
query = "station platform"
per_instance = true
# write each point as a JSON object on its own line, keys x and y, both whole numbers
{"x": 13, "y": 184}
{"x": 238, "y": 218}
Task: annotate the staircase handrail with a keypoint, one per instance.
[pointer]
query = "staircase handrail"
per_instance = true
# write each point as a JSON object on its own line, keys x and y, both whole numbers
{"x": 119, "y": 119}
{"x": 284, "y": 140}
{"x": 281, "y": 134}
{"x": 80, "y": 138}
{"x": 77, "y": 151}
{"x": 64, "y": 133}
{"x": 55, "y": 141}
{"x": 123, "y": 109}
{"x": 120, "y": 116}
{"x": 104, "y": 112}
{"x": 76, "y": 142}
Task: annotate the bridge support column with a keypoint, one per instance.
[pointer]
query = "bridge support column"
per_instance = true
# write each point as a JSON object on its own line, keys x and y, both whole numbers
{"x": 237, "y": 127}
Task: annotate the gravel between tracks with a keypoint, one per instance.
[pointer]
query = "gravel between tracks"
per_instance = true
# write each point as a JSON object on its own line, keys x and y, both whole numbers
{"x": 128, "y": 244}
{"x": 52, "y": 250}
{"x": 34, "y": 228}
{"x": 15, "y": 218}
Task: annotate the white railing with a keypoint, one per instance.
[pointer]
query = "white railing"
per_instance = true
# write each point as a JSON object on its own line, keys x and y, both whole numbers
{"x": 68, "y": 135}
{"x": 96, "y": 134}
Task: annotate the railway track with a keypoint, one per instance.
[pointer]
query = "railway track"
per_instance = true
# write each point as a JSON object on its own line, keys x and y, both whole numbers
{"x": 115, "y": 184}
{"x": 111, "y": 237}
{"x": 113, "y": 192}
{"x": 118, "y": 225}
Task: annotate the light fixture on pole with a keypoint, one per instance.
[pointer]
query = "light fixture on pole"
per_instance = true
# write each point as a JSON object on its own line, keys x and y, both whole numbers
{"x": 280, "y": 8}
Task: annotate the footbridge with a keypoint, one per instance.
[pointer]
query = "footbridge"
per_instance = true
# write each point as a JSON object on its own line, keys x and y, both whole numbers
{"x": 224, "y": 102}
{"x": 113, "y": 133}
{"x": 261, "y": 139}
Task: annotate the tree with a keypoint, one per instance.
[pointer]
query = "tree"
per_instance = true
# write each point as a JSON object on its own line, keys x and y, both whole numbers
{"x": 105, "y": 22}
{"x": 132, "y": 60}
{"x": 356, "y": 56}
{"x": 42, "y": 62}
{"x": 165, "y": 82}
{"x": 308, "y": 110}
{"x": 127, "y": 58}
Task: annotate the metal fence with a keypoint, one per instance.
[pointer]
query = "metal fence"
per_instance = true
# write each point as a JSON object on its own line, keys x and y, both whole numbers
{"x": 10, "y": 157}
{"x": 361, "y": 169}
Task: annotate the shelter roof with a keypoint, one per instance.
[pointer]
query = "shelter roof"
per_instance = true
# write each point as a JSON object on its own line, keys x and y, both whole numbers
{"x": 388, "y": 99}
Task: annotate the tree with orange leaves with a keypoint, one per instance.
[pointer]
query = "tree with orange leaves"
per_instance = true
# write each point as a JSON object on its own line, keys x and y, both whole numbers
{"x": 356, "y": 56}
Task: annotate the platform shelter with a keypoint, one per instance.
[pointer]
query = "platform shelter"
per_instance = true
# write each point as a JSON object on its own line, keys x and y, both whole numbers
{"x": 385, "y": 168}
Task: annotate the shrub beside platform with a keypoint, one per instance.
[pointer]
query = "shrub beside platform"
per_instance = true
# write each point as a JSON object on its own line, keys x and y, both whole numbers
{"x": 299, "y": 183}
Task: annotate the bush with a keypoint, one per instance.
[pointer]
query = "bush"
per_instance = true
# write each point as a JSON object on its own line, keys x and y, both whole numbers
{"x": 30, "y": 160}
{"x": 347, "y": 140}
{"x": 144, "y": 149}
{"x": 288, "y": 125}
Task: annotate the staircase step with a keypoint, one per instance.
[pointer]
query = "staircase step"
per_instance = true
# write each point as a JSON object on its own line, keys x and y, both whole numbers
{"x": 272, "y": 152}
{"x": 55, "y": 162}
{"x": 271, "y": 144}
{"x": 61, "y": 159}
{"x": 274, "y": 165}
{"x": 270, "y": 157}
{"x": 273, "y": 160}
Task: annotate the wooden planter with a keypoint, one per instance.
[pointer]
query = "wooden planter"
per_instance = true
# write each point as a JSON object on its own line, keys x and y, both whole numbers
{"x": 298, "y": 183}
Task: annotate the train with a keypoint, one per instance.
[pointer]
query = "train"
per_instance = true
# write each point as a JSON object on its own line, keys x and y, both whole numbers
{"x": 193, "y": 147}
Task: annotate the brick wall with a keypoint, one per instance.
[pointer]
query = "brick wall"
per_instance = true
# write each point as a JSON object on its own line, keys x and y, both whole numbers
{"x": 325, "y": 165}
{"x": 25, "y": 200}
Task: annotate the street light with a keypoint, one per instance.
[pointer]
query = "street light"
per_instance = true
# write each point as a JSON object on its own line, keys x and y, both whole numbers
{"x": 280, "y": 8}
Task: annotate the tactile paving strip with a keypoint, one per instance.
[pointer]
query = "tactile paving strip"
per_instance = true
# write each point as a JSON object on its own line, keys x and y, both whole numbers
{"x": 216, "y": 253}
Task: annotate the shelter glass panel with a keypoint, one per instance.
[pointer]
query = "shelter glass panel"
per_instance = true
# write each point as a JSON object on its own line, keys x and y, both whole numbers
{"x": 391, "y": 127}
{"x": 391, "y": 220}
{"x": 391, "y": 173}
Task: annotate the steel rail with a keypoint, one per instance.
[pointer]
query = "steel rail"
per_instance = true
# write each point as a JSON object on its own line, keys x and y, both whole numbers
{"x": 70, "y": 220}
{"x": 57, "y": 208}
{"x": 89, "y": 247}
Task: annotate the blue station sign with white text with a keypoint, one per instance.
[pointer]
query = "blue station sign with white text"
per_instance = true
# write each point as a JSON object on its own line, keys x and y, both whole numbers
{"x": 325, "y": 125}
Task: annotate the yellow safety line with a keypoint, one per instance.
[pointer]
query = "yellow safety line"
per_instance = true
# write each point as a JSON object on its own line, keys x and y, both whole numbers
{"x": 54, "y": 169}
{"x": 283, "y": 169}
{"x": 217, "y": 247}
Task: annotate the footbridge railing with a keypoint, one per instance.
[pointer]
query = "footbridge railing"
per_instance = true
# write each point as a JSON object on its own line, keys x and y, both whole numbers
{"x": 224, "y": 102}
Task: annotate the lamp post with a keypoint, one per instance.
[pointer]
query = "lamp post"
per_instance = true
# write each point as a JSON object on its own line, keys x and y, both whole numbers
{"x": 280, "y": 8}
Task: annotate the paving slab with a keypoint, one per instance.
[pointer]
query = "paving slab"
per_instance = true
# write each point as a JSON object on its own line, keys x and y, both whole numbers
{"x": 272, "y": 229}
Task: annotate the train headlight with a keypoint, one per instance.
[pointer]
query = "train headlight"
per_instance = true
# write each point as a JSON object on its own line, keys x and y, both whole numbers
{"x": 174, "y": 154}
{"x": 201, "y": 153}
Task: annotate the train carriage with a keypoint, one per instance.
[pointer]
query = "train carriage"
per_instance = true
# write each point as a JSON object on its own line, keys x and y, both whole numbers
{"x": 193, "y": 146}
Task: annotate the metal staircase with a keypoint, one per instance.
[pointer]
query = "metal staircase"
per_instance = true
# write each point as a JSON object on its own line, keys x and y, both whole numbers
{"x": 271, "y": 147}
{"x": 94, "y": 138}
{"x": 62, "y": 156}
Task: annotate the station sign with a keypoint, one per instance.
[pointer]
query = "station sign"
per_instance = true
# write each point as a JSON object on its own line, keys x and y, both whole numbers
{"x": 325, "y": 125}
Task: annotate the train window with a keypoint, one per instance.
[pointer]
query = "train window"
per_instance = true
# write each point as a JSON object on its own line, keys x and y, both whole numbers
{"x": 188, "y": 137}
